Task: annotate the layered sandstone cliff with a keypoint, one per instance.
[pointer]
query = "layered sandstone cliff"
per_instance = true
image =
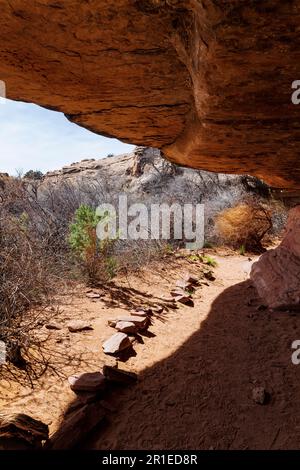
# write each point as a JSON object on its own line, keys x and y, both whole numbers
{"x": 207, "y": 81}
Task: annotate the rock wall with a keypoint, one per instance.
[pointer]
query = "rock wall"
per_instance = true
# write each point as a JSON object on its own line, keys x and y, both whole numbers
{"x": 277, "y": 273}
{"x": 206, "y": 81}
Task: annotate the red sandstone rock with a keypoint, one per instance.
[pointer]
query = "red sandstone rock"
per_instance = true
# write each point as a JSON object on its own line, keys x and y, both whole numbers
{"x": 276, "y": 275}
{"x": 126, "y": 327}
{"x": 75, "y": 326}
{"x": 138, "y": 321}
{"x": 87, "y": 382}
{"x": 116, "y": 343}
{"x": 207, "y": 82}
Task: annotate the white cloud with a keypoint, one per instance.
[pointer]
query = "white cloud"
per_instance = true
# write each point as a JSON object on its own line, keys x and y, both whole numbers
{"x": 32, "y": 137}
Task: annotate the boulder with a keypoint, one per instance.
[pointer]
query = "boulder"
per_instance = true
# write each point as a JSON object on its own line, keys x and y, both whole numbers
{"x": 276, "y": 275}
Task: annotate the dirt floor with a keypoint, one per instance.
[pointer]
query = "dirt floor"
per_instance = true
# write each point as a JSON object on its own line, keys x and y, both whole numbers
{"x": 197, "y": 366}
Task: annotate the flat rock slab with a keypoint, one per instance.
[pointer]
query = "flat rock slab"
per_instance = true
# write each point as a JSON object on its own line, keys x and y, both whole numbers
{"x": 116, "y": 343}
{"x": 75, "y": 326}
{"x": 126, "y": 327}
{"x": 120, "y": 376}
{"x": 137, "y": 320}
{"x": 87, "y": 382}
{"x": 139, "y": 312}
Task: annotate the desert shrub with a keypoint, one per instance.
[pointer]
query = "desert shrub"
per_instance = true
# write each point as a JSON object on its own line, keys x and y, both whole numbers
{"x": 34, "y": 175}
{"x": 94, "y": 255}
{"x": 209, "y": 260}
{"x": 244, "y": 224}
{"x": 28, "y": 272}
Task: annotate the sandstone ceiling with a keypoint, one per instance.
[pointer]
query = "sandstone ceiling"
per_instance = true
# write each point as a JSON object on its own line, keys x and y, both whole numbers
{"x": 209, "y": 81}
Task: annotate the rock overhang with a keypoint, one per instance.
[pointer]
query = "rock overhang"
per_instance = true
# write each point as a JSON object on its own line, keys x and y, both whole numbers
{"x": 208, "y": 82}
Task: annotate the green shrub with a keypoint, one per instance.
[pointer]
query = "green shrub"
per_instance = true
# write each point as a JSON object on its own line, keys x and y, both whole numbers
{"x": 209, "y": 261}
{"x": 242, "y": 250}
{"x": 34, "y": 175}
{"x": 94, "y": 254}
{"x": 83, "y": 230}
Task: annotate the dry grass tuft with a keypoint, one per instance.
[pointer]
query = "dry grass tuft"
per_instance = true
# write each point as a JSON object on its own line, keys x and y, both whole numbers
{"x": 245, "y": 224}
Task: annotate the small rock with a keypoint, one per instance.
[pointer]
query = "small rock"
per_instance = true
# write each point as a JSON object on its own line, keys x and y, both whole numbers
{"x": 20, "y": 428}
{"x": 75, "y": 326}
{"x": 166, "y": 298}
{"x": 94, "y": 295}
{"x": 87, "y": 382}
{"x": 183, "y": 284}
{"x": 177, "y": 292}
{"x": 140, "y": 322}
{"x": 209, "y": 275}
{"x": 126, "y": 327}
{"x": 191, "y": 279}
{"x": 185, "y": 299}
{"x": 139, "y": 312}
{"x": 259, "y": 395}
{"x": 118, "y": 375}
{"x": 53, "y": 326}
{"x": 116, "y": 343}
{"x": 158, "y": 309}
{"x": 261, "y": 307}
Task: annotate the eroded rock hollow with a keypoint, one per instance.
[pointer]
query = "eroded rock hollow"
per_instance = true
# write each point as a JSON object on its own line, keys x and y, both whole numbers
{"x": 206, "y": 81}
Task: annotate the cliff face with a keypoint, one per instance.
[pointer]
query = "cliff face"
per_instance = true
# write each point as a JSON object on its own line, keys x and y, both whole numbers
{"x": 144, "y": 177}
{"x": 208, "y": 82}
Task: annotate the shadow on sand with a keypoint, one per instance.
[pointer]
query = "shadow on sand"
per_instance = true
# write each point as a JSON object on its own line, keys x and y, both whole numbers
{"x": 200, "y": 397}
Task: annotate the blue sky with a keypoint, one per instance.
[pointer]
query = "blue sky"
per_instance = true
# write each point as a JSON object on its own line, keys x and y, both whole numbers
{"x": 35, "y": 138}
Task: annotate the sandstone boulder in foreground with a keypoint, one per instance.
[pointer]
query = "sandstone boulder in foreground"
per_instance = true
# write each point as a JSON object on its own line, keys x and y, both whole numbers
{"x": 276, "y": 275}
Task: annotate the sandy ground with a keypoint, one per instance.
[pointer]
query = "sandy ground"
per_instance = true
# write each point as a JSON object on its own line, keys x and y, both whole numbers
{"x": 197, "y": 366}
